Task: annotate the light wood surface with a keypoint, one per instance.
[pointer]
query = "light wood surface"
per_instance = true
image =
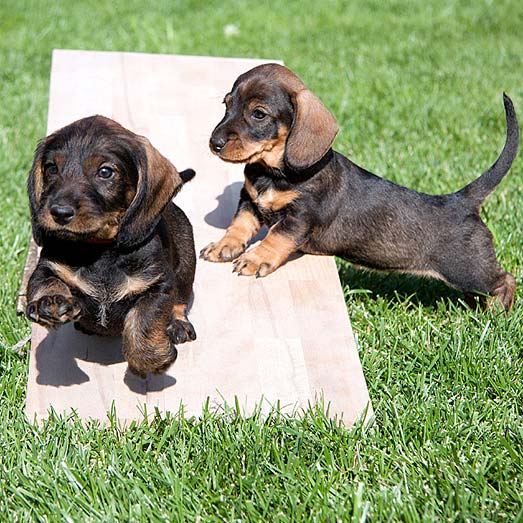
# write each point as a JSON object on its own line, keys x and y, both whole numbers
{"x": 285, "y": 338}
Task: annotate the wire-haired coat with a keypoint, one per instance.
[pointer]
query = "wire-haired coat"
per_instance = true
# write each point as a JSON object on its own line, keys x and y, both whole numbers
{"x": 117, "y": 255}
{"x": 316, "y": 201}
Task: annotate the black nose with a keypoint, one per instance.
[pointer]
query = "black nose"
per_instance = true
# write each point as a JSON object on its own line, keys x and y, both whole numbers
{"x": 217, "y": 143}
{"x": 62, "y": 214}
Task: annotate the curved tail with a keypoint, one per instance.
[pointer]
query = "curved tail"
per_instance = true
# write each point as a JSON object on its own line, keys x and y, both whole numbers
{"x": 476, "y": 191}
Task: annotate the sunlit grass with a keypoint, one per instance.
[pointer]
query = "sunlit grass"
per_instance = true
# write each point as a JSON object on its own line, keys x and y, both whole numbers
{"x": 417, "y": 90}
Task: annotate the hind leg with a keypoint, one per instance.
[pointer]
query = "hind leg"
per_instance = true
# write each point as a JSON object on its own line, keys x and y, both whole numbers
{"x": 145, "y": 342}
{"x": 469, "y": 264}
{"x": 486, "y": 283}
{"x": 502, "y": 293}
{"x": 151, "y": 329}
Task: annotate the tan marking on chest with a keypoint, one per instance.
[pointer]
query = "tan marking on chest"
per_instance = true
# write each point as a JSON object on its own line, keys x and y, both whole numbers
{"x": 73, "y": 279}
{"x": 271, "y": 198}
{"x": 133, "y": 285}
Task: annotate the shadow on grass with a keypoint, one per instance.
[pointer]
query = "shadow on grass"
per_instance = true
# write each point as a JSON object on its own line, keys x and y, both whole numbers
{"x": 396, "y": 288}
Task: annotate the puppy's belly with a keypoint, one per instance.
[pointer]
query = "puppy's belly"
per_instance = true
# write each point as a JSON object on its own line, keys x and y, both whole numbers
{"x": 371, "y": 253}
{"x": 103, "y": 318}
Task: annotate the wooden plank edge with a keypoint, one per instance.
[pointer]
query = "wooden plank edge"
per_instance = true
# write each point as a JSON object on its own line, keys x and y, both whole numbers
{"x": 261, "y": 409}
{"x": 30, "y": 265}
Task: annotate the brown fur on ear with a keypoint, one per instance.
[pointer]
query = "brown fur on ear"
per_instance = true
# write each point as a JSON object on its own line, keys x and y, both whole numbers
{"x": 158, "y": 182}
{"x": 312, "y": 133}
{"x": 35, "y": 187}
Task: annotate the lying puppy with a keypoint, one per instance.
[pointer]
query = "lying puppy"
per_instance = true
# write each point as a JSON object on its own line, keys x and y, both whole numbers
{"x": 117, "y": 255}
{"x": 317, "y": 201}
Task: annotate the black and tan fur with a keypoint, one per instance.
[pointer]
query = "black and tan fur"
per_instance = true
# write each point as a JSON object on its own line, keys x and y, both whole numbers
{"x": 316, "y": 201}
{"x": 117, "y": 255}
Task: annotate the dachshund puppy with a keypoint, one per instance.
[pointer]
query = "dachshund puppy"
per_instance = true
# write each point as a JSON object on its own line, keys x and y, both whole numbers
{"x": 117, "y": 255}
{"x": 316, "y": 201}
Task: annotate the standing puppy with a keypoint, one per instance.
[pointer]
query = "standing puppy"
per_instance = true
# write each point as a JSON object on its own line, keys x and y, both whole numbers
{"x": 315, "y": 200}
{"x": 117, "y": 255}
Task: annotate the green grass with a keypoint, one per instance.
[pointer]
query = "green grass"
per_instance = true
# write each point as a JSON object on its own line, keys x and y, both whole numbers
{"x": 417, "y": 91}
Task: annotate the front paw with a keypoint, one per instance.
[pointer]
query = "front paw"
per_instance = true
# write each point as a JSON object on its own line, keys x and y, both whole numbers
{"x": 254, "y": 263}
{"x": 226, "y": 249}
{"x": 53, "y": 310}
{"x": 180, "y": 331}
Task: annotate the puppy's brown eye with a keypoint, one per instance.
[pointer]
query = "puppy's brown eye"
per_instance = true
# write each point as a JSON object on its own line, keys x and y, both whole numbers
{"x": 105, "y": 172}
{"x": 258, "y": 114}
{"x": 50, "y": 168}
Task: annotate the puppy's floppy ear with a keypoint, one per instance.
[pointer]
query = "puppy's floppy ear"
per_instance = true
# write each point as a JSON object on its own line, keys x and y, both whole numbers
{"x": 312, "y": 132}
{"x": 35, "y": 187}
{"x": 158, "y": 182}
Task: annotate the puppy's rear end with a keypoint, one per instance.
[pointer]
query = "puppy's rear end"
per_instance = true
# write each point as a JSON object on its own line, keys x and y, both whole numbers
{"x": 496, "y": 282}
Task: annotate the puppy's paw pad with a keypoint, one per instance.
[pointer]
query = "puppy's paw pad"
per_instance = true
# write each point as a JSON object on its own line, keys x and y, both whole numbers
{"x": 180, "y": 331}
{"x": 52, "y": 310}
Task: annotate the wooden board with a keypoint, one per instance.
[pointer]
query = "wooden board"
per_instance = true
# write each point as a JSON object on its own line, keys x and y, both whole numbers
{"x": 285, "y": 338}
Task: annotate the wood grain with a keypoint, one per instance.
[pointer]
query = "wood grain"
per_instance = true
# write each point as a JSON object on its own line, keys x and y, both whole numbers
{"x": 283, "y": 339}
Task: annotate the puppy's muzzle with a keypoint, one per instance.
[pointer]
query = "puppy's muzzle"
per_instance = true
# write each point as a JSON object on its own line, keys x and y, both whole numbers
{"x": 62, "y": 214}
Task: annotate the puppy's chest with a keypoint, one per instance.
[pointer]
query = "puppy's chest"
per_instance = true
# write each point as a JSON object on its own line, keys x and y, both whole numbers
{"x": 105, "y": 287}
{"x": 270, "y": 197}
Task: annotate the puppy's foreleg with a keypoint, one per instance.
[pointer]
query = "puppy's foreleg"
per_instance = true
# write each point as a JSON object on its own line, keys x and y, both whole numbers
{"x": 49, "y": 300}
{"x": 283, "y": 239}
{"x": 244, "y": 226}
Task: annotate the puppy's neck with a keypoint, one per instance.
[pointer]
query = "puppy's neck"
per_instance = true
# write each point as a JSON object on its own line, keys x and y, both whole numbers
{"x": 296, "y": 175}
{"x": 285, "y": 172}
{"x": 100, "y": 241}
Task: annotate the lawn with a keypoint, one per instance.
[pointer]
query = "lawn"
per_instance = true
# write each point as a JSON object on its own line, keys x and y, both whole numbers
{"x": 417, "y": 90}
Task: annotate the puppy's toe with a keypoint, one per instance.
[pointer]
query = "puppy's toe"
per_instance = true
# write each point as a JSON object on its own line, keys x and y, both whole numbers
{"x": 180, "y": 331}
{"x": 206, "y": 251}
{"x": 222, "y": 251}
{"x": 264, "y": 269}
{"x": 250, "y": 264}
{"x": 230, "y": 252}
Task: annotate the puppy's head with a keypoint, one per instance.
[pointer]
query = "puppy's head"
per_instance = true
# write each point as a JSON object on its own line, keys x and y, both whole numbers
{"x": 271, "y": 117}
{"x": 95, "y": 181}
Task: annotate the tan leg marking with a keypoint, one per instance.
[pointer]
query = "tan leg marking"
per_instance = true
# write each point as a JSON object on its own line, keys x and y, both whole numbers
{"x": 266, "y": 257}
{"x": 72, "y": 278}
{"x": 180, "y": 311}
{"x": 242, "y": 229}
